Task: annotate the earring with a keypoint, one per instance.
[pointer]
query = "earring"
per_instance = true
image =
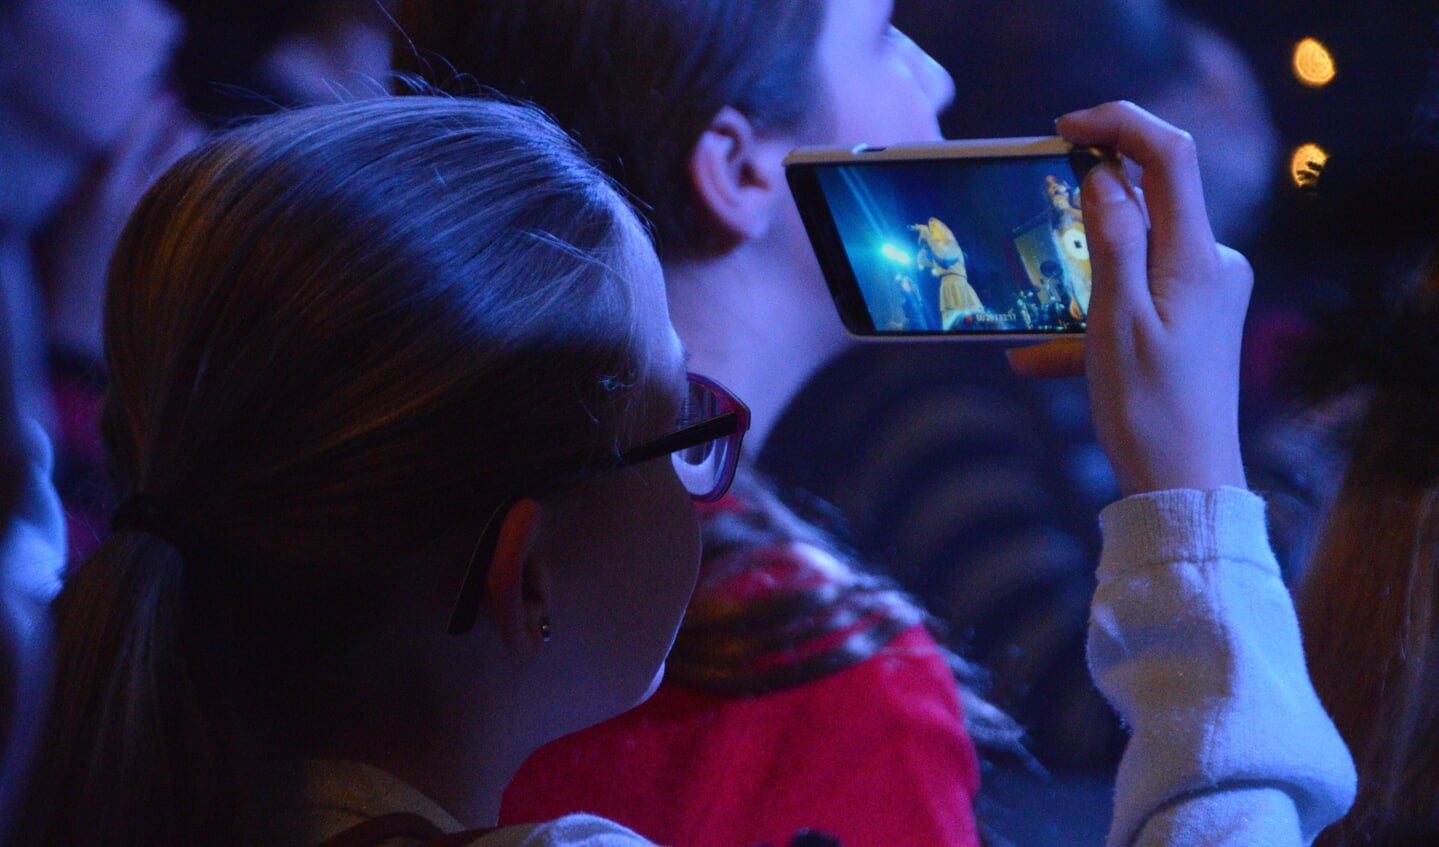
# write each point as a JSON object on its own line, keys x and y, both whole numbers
{"x": 545, "y": 630}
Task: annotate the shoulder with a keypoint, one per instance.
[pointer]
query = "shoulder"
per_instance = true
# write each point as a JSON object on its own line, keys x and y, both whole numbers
{"x": 761, "y": 571}
{"x": 905, "y": 693}
{"x": 568, "y": 831}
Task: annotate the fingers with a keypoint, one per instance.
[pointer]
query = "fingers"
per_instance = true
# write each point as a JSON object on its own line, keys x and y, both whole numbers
{"x": 1170, "y": 174}
{"x": 1062, "y": 357}
{"x": 1166, "y": 312}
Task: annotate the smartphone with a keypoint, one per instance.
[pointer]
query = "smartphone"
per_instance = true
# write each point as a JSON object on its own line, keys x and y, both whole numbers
{"x": 957, "y": 239}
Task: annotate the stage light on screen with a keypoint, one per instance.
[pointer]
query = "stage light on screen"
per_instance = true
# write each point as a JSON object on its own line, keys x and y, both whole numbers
{"x": 1313, "y": 63}
{"x": 894, "y": 254}
{"x": 1306, "y": 165}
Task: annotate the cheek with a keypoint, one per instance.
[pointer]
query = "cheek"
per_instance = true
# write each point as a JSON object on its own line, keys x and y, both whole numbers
{"x": 640, "y": 567}
{"x": 667, "y": 542}
{"x": 665, "y": 567}
{"x": 885, "y": 105}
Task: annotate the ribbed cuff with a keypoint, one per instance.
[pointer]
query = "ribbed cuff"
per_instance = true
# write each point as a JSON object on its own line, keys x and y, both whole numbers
{"x": 1183, "y": 525}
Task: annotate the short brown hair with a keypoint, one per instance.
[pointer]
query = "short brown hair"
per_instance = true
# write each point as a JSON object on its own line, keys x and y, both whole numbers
{"x": 636, "y": 81}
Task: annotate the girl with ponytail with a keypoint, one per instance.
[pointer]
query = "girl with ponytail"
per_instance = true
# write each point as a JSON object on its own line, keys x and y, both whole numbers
{"x": 345, "y": 344}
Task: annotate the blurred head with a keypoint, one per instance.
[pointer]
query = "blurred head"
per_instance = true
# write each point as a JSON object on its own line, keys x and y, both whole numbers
{"x": 78, "y": 70}
{"x": 247, "y": 57}
{"x": 337, "y": 340}
{"x": 656, "y": 75}
{"x": 73, "y": 74}
{"x": 692, "y": 105}
{"x": 1019, "y": 64}
{"x": 341, "y": 45}
{"x": 1369, "y": 604}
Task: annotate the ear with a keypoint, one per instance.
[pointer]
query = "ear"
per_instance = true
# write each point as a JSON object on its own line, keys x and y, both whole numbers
{"x": 738, "y": 175}
{"x": 518, "y": 593}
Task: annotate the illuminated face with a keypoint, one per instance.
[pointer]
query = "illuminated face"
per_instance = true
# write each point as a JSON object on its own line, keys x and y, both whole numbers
{"x": 1061, "y": 196}
{"x": 881, "y": 87}
{"x": 878, "y": 88}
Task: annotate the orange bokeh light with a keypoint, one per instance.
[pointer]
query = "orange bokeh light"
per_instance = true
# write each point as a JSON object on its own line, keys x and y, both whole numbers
{"x": 1306, "y": 164}
{"x": 1313, "y": 63}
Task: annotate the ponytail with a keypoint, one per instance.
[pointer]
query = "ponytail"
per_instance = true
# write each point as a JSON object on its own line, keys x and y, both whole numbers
{"x": 135, "y": 751}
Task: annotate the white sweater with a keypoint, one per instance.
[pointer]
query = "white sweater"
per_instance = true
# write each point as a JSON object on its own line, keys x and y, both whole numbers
{"x": 1194, "y": 640}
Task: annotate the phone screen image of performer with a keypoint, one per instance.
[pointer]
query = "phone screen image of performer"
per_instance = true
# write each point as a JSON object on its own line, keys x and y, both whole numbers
{"x": 964, "y": 245}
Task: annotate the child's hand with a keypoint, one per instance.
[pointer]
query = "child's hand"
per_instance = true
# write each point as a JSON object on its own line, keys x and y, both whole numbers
{"x": 1167, "y": 311}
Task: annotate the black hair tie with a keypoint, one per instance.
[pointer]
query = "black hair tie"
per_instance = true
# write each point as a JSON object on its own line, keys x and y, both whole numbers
{"x": 156, "y": 516}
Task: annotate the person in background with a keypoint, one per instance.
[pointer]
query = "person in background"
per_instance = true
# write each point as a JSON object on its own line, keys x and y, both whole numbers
{"x": 234, "y": 62}
{"x": 1369, "y": 602}
{"x": 700, "y": 148}
{"x": 244, "y": 59}
{"x": 976, "y": 490}
{"x": 32, "y": 556}
{"x": 77, "y": 81}
{"x": 784, "y": 626}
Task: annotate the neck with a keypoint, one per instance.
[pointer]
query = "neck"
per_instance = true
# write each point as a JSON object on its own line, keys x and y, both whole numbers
{"x": 461, "y": 759}
{"x": 758, "y": 326}
{"x": 427, "y": 710}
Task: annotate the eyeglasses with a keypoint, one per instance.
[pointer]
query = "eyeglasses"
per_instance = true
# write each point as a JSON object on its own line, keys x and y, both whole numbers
{"x": 704, "y": 449}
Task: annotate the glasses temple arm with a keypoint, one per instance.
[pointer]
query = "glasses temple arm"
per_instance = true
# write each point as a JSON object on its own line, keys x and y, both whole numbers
{"x": 690, "y": 436}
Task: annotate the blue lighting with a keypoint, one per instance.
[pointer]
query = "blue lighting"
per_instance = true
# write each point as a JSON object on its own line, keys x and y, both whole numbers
{"x": 894, "y": 254}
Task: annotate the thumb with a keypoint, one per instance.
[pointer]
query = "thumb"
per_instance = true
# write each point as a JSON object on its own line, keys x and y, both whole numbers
{"x": 1062, "y": 357}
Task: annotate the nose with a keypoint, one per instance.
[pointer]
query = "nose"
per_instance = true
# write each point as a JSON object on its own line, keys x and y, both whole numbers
{"x": 933, "y": 79}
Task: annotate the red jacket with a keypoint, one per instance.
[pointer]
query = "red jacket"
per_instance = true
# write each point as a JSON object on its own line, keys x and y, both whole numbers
{"x": 875, "y": 754}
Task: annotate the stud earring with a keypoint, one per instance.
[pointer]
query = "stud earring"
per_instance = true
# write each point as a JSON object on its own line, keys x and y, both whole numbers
{"x": 545, "y": 630}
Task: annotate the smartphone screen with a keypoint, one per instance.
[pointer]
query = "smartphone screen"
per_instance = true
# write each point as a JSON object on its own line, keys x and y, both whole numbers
{"x": 961, "y": 239}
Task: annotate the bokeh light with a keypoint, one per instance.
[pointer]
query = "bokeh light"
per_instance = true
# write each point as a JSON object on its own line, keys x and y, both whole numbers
{"x": 1306, "y": 165}
{"x": 1313, "y": 63}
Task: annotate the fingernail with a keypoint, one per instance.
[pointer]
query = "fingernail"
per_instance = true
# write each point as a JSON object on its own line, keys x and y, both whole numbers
{"x": 1106, "y": 184}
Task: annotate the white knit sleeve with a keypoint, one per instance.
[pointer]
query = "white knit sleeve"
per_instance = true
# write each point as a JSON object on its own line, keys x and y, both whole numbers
{"x": 1194, "y": 640}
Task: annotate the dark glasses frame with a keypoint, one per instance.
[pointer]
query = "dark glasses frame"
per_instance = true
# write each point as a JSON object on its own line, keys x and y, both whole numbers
{"x": 731, "y": 423}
